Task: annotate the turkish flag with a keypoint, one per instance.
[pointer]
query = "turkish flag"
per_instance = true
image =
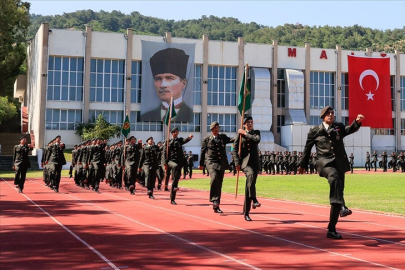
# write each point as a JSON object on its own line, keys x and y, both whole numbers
{"x": 370, "y": 91}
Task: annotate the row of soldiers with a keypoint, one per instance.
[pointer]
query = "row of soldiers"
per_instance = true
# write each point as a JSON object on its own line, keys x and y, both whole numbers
{"x": 123, "y": 166}
{"x": 279, "y": 163}
{"x": 397, "y": 161}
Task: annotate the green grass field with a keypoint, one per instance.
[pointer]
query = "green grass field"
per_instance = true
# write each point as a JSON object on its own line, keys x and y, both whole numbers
{"x": 374, "y": 192}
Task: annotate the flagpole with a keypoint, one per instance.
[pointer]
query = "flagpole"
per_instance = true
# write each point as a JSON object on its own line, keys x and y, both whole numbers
{"x": 125, "y": 151}
{"x": 168, "y": 136}
{"x": 241, "y": 124}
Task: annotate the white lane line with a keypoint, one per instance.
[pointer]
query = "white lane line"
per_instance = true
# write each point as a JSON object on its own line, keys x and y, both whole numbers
{"x": 69, "y": 231}
{"x": 320, "y": 215}
{"x": 313, "y": 226}
{"x": 242, "y": 229}
{"x": 257, "y": 233}
{"x": 167, "y": 233}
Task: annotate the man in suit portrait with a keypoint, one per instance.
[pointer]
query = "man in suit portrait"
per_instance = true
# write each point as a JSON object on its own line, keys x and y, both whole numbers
{"x": 332, "y": 161}
{"x": 169, "y": 71}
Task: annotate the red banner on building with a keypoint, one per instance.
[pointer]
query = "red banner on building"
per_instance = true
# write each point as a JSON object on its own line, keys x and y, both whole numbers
{"x": 370, "y": 91}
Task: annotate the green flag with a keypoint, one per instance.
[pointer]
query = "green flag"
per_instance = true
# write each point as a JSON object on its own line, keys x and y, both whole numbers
{"x": 126, "y": 127}
{"x": 171, "y": 112}
{"x": 244, "y": 97}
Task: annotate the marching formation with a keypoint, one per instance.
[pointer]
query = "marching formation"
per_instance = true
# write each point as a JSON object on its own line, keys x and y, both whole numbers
{"x": 121, "y": 165}
{"x": 288, "y": 162}
{"x": 396, "y": 163}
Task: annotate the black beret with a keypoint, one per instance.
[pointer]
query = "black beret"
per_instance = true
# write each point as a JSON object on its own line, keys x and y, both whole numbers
{"x": 214, "y": 124}
{"x": 325, "y": 110}
{"x": 247, "y": 118}
{"x": 170, "y": 60}
{"x": 132, "y": 137}
{"x": 120, "y": 141}
{"x": 22, "y": 137}
{"x": 174, "y": 129}
{"x": 58, "y": 137}
{"x": 149, "y": 139}
{"x": 75, "y": 145}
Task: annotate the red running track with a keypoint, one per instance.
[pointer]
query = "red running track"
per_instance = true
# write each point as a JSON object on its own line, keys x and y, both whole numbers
{"x": 80, "y": 229}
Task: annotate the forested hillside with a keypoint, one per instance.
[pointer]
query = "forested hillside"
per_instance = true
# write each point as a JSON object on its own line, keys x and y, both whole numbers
{"x": 352, "y": 38}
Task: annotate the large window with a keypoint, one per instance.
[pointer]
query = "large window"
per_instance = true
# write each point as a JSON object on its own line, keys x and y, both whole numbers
{"x": 65, "y": 78}
{"x": 136, "y": 77}
{"x": 402, "y": 87}
{"x": 280, "y": 122}
{"x": 112, "y": 117}
{"x": 345, "y": 91}
{"x": 106, "y": 80}
{"x": 226, "y": 121}
{"x": 193, "y": 126}
{"x": 222, "y": 86}
{"x": 315, "y": 120}
{"x": 197, "y": 85}
{"x": 402, "y": 126}
{"x": 281, "y": 88}
{"x": 322, "y": 89}
{"x": 138, "y": 125}
{"x": 385, "y": 131}
{"x": 57, "y": 119}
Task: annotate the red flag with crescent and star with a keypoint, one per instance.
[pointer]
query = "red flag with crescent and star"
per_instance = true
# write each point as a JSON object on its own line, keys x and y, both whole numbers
{"x": 370, "y": 91}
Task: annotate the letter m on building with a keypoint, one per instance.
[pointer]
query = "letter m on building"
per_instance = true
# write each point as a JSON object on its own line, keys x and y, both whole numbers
{"x": 292, "y": 52}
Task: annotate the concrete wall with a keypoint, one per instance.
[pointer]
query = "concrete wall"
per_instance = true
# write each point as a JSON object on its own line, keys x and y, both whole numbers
{"x": 208, "y": 52}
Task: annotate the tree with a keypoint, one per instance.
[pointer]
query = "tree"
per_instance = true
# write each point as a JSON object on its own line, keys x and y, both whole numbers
{"x": 100, "y": 129}
{"x": 14, "y": 22}
{"x": 7, "y": 109}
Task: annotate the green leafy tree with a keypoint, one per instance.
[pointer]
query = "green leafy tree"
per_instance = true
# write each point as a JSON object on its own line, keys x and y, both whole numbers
{"x": 100, "y": 129}
{"x": 14, "y": 22}
{"x": 7, "y": 109}
{"x": 354, "y": 37}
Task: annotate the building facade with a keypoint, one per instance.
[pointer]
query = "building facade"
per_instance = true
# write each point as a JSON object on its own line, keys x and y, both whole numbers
{"x": 73, "y": 76}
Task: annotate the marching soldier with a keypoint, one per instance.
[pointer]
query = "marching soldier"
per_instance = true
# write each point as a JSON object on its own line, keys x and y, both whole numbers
{"x": 160, "y": 173}
{"x": 185, "y": 166}
{"x": 375, "y": 160}
{"x": 394, "y": 161}
{"x": 368, "y": 164}
{"x": 213, "y": 155}
{"x": 351, "y": 162}
{"x": 402, "y": 161}
{"x": 116, "y": 166}
{"x": 248, "y": 162}
{"x": 272, "y": 163}
{"x": 279, "y": 158}
{"x": 293, "y": 162}
{"x": 172, "y": 159}
{"x": 96, "y": 164}
{"x": 190, "y": 163}
{"x": 21, "y": 163}
{"x": 149, "y": 163}
{"x": 74, "y": 152}
{"x": 56, "y": 161}
{"x": 131, "y": 162}
{"x": 44, "y": 164}
{"x": 261, "y": 159}
{"x": 384, "y": 160}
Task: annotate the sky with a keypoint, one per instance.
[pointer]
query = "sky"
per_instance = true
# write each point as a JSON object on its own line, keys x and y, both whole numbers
{"x": 374, "y": 14}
